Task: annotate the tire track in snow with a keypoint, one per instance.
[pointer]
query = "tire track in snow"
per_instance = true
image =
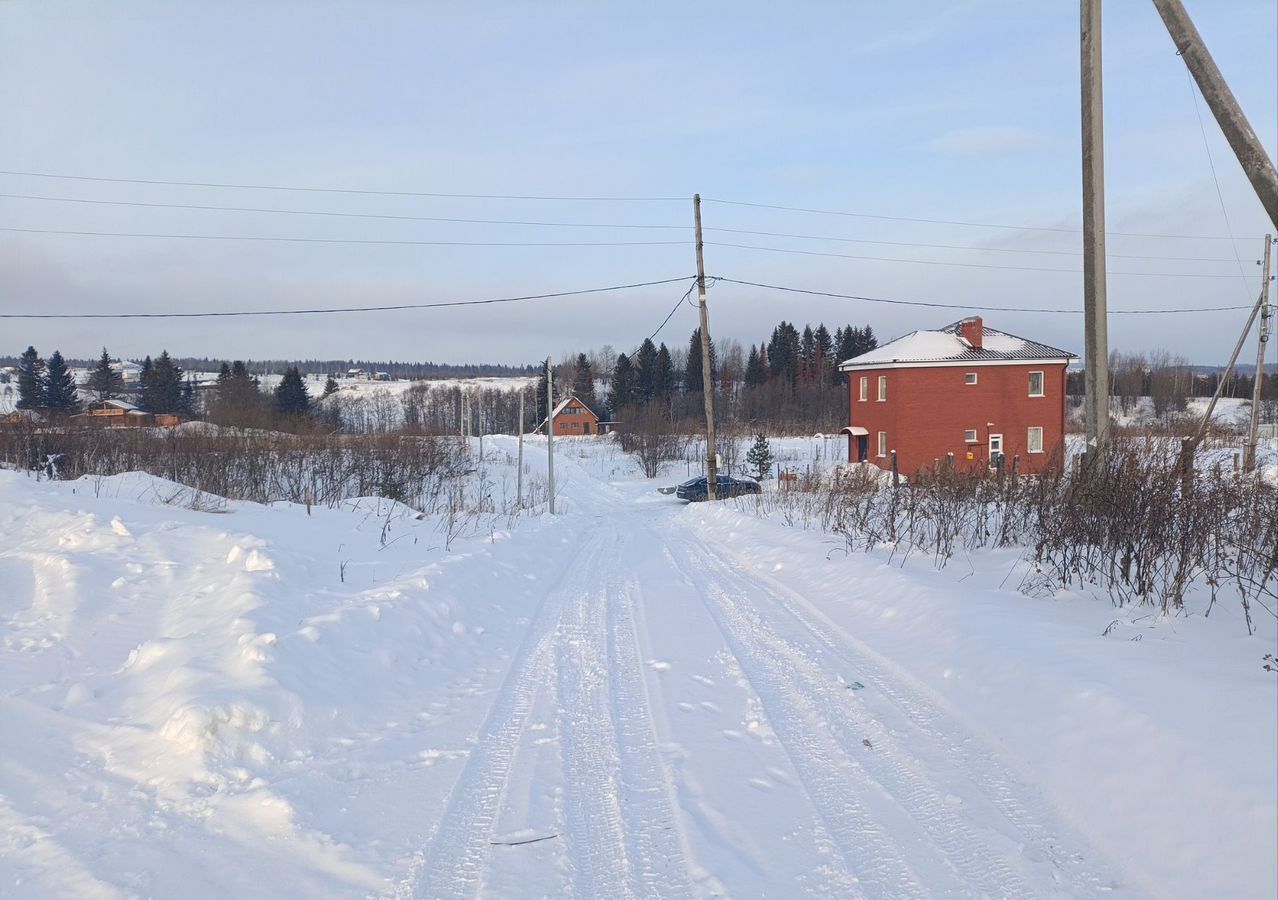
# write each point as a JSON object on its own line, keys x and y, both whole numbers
{"x": 593, "y": 823}
{"x": 654, "y": 835}
{"x": 872, "y": 857}
{"x": 453, "y": 865}
{"x": 980, "y": 870}
{"x": 1035, "y": 823}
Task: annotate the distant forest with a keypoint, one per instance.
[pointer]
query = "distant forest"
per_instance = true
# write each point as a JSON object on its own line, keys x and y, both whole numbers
{"x": 409, "y": 370}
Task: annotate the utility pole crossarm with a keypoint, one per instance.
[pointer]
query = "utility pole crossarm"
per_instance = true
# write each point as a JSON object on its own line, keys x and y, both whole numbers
{"x": 1251, "y": 154}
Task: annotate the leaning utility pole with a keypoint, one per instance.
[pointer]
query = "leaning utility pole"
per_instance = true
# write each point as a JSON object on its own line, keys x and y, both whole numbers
{"x": 707, "y": 377}
{"x": 1258, "y": 378}
{"x": 1229, "y": 115}
{"x": 1095, "y": 316}
{"x": 550, "y": 433}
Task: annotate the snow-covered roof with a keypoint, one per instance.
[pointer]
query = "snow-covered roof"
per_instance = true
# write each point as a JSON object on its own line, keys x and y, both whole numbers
{"x": 947, "y": 345}
{"x": 121, "y": 404}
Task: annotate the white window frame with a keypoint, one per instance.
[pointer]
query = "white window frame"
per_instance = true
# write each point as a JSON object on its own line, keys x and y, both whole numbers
{"x": 865, "y": 388}
{"x": 969, "y": 378}
{"x": 882, "y": 388}
{"x": 1042, "y": 385}
{"x": 969, "y": 436}
{"x": 883, "y": 447}
{"x": 1029, "y": 439}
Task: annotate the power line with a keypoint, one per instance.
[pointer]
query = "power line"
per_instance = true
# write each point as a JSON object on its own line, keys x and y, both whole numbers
{"x": 860, "y": 215}
{"x": 965, "y": 306}
{"x": 342, "y": 215}
{"x": 313, "y": 240}
{"x": 329, "y": 190}
{"x": 610, "y": 225}
{"x": 343, "y": 309}
{"x": 966, "y": 265}
{"x": 1193, "y": 93}
{"x": 968, "y": 247}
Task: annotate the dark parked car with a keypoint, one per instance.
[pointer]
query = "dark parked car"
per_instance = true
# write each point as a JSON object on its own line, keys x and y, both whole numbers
{"x": 694, "y": 489}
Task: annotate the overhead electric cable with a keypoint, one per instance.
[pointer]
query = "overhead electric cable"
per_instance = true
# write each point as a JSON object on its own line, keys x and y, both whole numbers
{"x": 343, "y": 309}
{"x": 341, "y": 215}
{"x": 969, "y": 306}
{"x": 610, "y": 225}
{"x": 860, "y": 215}
{"x": 315, "y": 240}
{"x": 965, "y": 265}
{"x": 969, "y": 247}
{"x": 330, "y": 190}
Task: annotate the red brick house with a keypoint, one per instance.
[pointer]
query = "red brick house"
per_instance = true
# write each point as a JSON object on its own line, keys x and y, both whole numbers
{"x": 573, "y": 418}
{"x": 965, "y": 389}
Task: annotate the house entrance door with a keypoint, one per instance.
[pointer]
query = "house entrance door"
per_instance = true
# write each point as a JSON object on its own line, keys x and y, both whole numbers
{"x": 862, "y": 447}
{"x": 996, "y": 451}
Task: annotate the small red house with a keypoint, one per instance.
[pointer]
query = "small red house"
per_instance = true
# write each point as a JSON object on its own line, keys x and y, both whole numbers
{"x": 965, "y": 389}
{"x": 573, "y": 418}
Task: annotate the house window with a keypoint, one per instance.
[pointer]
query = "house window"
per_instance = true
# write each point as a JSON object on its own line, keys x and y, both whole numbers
{"x": 1035, "y": 440}
{"x": 969, "y": 436}
{"x": 882, "y": 388}
{"x": 969, "y": 378}
{"x": 576, "y": 426}
{"x": 1036, "y": 384}
{"x": 882, "y": 443}
{"x": 865, "y": 387}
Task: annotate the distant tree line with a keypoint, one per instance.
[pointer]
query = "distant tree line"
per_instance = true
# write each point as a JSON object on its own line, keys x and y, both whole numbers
{"x": 790, "y": 382}
{"x": 1169, "y": 382}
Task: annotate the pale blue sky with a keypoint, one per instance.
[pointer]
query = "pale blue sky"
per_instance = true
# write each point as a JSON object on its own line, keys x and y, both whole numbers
{"x": 961, "y": 111}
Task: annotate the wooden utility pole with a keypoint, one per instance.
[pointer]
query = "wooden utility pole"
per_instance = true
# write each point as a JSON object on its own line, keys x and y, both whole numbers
{"x": 519, "y": 477}
{"x": 1095, "y": 315}
{"x": 550, "y": 433}
{"x": 1249, "y": 452}
{"x": 1229, "y": 115}
{"x": 707, "y": 377}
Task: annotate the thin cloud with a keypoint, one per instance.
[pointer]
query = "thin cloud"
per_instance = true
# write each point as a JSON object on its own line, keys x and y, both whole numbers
{"x": 987, "y": 140}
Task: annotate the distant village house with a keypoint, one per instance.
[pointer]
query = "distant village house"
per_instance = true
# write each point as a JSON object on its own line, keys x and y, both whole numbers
{"x": 573, "y": 418}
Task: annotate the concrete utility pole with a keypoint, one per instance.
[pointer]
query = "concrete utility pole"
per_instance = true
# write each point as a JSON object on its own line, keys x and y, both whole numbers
{"x": 550, "y": 432}
{"x": 1229, "y": 115}
{"x": 1249, "y": 452}
{"x": 1095, "y": 315}
{"x": 519, "y": 477}
{"x": 707, "y": 377}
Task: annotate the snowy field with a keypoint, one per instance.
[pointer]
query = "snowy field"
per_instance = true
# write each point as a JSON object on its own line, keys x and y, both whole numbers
{"x": 633, "y": 698}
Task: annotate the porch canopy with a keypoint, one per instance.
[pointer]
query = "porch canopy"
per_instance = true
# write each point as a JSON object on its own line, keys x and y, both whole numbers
{"x": 853, "y": 429}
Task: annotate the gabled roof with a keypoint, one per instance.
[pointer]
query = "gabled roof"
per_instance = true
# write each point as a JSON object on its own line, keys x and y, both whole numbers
{"x": 563, "y": 404}
{"x": 947, "y": 345}
{"x": 118, "y": 404}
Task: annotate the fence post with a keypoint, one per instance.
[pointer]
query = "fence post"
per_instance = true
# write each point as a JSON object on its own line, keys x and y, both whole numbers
{"x": 896, "y": 472}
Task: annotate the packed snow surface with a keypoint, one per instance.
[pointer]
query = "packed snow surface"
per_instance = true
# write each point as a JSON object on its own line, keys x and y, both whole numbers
{"x": 634, "y": 698}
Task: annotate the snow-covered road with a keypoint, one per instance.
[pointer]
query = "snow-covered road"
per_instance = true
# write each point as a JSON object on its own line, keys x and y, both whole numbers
{"x": 633, "y": 699}
{"x": 710, "y": 733}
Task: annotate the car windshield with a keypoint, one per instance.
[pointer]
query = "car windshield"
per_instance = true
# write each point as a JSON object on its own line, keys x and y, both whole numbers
{"x": 693, "y": 482}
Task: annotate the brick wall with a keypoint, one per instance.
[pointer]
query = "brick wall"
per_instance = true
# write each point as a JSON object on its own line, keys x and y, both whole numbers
{"x": 928, "y": 410}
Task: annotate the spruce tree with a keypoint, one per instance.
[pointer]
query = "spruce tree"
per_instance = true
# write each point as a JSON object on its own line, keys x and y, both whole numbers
{"x": 59, "y": 387}
{"x": 756, "y": 373}
{"x": 692, "y": 379}
{"x": 542, "y": 401}
{"x": 625, "y": 387}
{"x": 291, "y": 399}
{"x": 161, "y": 385}
{"x": 783, "y": 353}
{"x": 330, "y": 387}
{"x": 646, "y": 365}
{"x": 808, "y": 367}
{"x": 760, "y": 456}
{"x": 105, "y": 381}
{"x": 663, "y": 378}
{"x": 31, "y": 383}
{"x": 583, "y": 381}
{"x": 145, "y": 382}
{"x": 827, "y": 365}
